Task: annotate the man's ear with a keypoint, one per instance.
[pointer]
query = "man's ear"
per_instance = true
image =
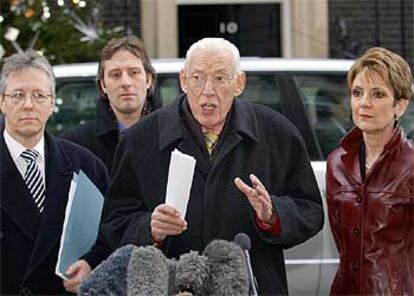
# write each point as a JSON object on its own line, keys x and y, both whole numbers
{"x": 150, "y": 78}
{"x": 183, "y": 80}
{"x": 2, "y": 101}
{"x": 240, "y": 83}
{"x": 102, "y": 85}
{"x": 52, "y": 107}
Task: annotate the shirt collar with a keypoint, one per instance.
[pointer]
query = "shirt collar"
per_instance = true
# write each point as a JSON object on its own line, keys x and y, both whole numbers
{"x": 16, "y": 148}
{"x": 121, "y": 127}
{"x": 353, "y": 139}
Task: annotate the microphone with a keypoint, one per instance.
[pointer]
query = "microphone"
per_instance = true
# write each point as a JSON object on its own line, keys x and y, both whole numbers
{"x": 135, "y": 271}
{"x": 148, "y": 272}
{"x": 243, "y": 240}
{"x": 227, "y": 269}
{"x": 191, "y": 274}
{"x": 109, "y": 277}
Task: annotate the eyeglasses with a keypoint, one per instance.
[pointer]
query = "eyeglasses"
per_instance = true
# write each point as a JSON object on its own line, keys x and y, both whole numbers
{"x": 218, "y": 80}
{"x": 18, "y": 97}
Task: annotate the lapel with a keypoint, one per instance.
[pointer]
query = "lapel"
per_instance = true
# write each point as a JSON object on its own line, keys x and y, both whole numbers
{"x": 59, "y": 173}
{"x": 243, "y": 125}
{"x": 173, "y": 133}
{"x": 189, "y": 146}
{"x": 351, "y": 144}
{"x": 16, "y": 200}
{"x": 350, "y": 158}
{"x": 106, "y": 121}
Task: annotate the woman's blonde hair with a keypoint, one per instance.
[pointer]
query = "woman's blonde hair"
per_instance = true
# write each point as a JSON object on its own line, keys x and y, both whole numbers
{"x": 390, "y": 66}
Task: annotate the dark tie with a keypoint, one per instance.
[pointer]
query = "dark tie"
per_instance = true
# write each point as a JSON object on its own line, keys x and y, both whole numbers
{"x": 33, "y": 178}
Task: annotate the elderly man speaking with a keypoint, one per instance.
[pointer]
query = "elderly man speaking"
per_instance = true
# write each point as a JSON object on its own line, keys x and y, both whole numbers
{"x": 252, "y": 173}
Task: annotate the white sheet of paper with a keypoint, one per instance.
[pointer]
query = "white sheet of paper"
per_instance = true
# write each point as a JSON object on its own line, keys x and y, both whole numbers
{"x": 180, "y": 178}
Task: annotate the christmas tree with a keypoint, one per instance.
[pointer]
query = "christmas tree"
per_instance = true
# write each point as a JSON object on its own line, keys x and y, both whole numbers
{"x": 65, "y": 31}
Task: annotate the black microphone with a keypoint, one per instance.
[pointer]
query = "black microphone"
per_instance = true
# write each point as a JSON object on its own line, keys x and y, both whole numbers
{"x": 243, "y": 240}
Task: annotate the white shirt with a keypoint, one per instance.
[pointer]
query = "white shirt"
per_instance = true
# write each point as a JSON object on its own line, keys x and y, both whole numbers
{"x": 16, "y": 149}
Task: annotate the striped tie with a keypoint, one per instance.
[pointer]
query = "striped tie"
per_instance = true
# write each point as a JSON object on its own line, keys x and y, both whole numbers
{"x": 33, "y": 178}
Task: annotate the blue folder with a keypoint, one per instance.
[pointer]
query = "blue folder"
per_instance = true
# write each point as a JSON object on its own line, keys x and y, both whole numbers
{"x": 81, "y": 225}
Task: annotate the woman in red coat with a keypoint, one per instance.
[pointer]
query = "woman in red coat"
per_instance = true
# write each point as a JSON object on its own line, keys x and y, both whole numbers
{"x": 370, "y": 182}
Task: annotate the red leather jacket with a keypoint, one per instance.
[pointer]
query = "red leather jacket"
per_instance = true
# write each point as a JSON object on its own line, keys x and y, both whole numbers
{"x": 372, "y": 220}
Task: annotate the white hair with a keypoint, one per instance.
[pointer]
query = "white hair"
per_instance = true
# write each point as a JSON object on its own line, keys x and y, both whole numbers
{"x": 215, "y": 45}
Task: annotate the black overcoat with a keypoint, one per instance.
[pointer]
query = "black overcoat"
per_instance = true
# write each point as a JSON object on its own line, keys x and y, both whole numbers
{"x": 101, "y": 135}
{"x": 256, "y": 141}
{"x": 29, "y": 241}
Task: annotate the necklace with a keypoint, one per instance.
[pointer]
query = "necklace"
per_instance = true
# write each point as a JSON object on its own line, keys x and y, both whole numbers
{"x": 369, "y": 164}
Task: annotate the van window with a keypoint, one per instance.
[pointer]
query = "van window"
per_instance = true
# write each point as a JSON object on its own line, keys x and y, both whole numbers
{"x": 168, "y": 88}
{"x": 263, "y": 89}
{"x": 407, "y": 122}
{"x": 75, "y": 104}
{"x": 326, "y": 101}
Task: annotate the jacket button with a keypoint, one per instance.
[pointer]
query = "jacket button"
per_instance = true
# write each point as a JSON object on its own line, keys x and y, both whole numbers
{"x": 358, "y": 200}
{"x": 25, "y": 291}
{"x": 356, "y": 231}
{"x": 354, "y": 266}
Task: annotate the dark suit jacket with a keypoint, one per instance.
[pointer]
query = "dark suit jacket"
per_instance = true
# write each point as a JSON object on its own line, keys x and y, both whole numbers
{"x": 30, "y": 240}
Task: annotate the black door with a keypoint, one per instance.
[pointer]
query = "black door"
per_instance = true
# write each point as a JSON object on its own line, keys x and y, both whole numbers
{"x": 253, "y": 28}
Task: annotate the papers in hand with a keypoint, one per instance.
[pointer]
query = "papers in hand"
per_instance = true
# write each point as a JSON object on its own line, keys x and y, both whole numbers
{"x": 180, "y": 178}
{"x": 81, "y": 224}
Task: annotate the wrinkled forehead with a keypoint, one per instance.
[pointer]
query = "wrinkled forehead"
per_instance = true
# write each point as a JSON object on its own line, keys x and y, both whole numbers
{"x": 211, "y": 60}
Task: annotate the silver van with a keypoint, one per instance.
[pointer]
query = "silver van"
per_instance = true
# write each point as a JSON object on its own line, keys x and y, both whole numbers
{"x": 312, "y": 94}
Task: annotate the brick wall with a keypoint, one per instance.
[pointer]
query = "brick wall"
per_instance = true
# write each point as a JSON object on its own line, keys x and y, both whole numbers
{"x": 124, "y": 13}
{"x": 355, "y": 25}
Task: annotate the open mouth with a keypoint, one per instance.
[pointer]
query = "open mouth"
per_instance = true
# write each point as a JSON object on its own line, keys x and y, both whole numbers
{"x": 207, "y": 107}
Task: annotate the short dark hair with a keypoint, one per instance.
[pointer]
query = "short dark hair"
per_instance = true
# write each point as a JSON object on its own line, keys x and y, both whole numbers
{"x": 134, "y": 45}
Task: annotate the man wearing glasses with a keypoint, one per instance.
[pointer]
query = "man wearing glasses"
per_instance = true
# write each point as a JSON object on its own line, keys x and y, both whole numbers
{"x": 233, "y": 142}
{"x": 35, "y": 175}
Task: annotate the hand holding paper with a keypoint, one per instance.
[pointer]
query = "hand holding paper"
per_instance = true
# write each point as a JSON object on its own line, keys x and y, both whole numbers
{"x": 168, "y": 218}
{"x": 165, "y": 220}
